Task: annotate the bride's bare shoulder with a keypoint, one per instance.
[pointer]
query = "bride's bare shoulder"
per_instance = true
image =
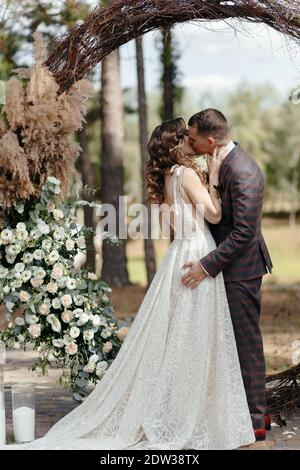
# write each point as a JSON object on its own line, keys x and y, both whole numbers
{"x": 189, "y": 177}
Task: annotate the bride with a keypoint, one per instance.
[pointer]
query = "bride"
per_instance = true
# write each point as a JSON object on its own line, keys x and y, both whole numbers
{"x": 176, "y": 382}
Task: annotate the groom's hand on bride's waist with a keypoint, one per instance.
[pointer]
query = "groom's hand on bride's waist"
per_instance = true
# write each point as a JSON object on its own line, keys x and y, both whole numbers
{"x": 194, "y": 276}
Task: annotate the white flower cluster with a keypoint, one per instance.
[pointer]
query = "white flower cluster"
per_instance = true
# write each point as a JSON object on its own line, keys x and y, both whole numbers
{"x": 66, "y": 314}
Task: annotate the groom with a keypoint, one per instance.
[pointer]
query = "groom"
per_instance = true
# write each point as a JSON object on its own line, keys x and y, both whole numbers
{"x": 241, "y": 252}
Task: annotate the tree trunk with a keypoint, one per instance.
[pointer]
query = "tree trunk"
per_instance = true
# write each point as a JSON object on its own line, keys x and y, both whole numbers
{"x": 114, "y": 268}
{"x": 294, "y": 191}
{"x": 88, "y": 180}
{"x": 168, "y": 86}
{"x": 168, "y": 81}
{"x": 148, "y": 242}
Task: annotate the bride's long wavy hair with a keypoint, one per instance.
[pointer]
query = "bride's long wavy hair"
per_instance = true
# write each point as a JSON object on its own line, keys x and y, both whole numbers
{"x": 165, "y": 150}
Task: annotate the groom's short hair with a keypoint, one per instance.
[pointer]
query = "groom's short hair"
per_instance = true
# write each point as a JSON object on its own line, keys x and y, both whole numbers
{"x": 210, "y": 122}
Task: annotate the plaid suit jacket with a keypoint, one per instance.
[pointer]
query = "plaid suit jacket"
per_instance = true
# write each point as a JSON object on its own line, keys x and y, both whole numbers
{"x": 241, "y": 252}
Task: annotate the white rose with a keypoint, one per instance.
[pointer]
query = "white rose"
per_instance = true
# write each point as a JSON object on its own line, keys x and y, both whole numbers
{"x": 27, "y": 258}
{"x": 3, "y": 272}
{"x": 21, "y": 338}
{"x": 96, "y": 320}
{"x": 54, "y": 322}
{"x": 19, "y": 321}
{"x": 70, "y": 244}
{"x": 89, "y": 367}
{"x": 71, "y": 283}
{"x": 16, "y": 275}
{"x": 39, "y": 273}
{"x": 66, "y": 300}
{"x": 71, "y": 348}
{"x": 67, "y": 316}
{"x": 101, "y": 367}
{"x": 88, "y": 335}
{"x": 67, "y": 339}
{"x": 24, "y": 296}
{"x": 107, "y": 347}
{"x": 78, "y": 299}
{"x": 105, "y": 333}
{"x": 19, "y": 267}
{"x": 83, "y": 319}
{"x": 58, "y": 343}
{"x": 35, "y": 234}
{"x": 56, "y": 303}
{"x": 92, "y": 276}
{"x": 36, "y": 282}
{"x": 80, "y": 241}
{"x": 17, "y": 283}
{"x": 43, "y": 227}
{"x": 77, "y": 312}
{"x": 44, "y": 309}
{"x": 16, "y": 345}
{"x": 35, "y": 330}
{"x": 31, "y": 319}
{"x": 103, "y": 321}
{"x": 21, "y": 227}
{"x": 53, "y": 256}
{"x": 52, "y": 287}
{"x": 11, "y": 250}
{"x": 26, "y": 275}
{"x": 46, "y": 245}
{"x": 58, "y": 233}
{"x": 74, "y": 332}
{"x": 57, "y": 273}
{"x": 10, "y": 259}
{"x": 122, "y": 332}
{"x": 94, "y": 358}
{"x": 6, "y": 289}
{"x": 6, "y": 236}
{"x": 38, "y": 254}
{"x": 58, "y": 214}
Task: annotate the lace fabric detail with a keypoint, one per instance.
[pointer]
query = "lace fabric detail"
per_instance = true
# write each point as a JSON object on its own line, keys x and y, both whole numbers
{"x": 176, "y": 382}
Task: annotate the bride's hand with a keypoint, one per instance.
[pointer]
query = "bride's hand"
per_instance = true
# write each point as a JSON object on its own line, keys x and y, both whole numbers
{"x": 214, "y": 162}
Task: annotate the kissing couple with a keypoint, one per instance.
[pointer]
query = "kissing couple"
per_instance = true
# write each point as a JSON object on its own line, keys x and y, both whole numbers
{"x": 190, "y": 373}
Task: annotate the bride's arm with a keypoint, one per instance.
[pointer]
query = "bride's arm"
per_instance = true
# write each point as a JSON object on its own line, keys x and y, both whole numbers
{"x": 207, "y": 202}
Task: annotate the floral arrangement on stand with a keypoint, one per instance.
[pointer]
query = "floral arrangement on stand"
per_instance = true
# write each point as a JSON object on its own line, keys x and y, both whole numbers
{"x": 64, "y": 312}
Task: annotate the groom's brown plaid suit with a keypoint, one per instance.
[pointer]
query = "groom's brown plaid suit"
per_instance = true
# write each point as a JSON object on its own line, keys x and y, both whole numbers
{"x": 242, "y": 256}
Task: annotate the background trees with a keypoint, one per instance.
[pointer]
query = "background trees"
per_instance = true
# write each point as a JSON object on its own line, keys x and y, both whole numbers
{"x": 119, "y": 121}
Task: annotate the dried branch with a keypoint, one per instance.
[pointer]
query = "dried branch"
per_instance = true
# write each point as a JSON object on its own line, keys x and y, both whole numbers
{"x": 79, "y": 50}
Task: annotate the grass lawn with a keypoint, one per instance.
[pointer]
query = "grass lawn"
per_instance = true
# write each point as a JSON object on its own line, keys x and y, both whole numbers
{"x": 283, "y": 243}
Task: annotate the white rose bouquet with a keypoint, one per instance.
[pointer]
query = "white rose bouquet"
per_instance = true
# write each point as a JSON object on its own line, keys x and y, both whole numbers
{"x": 67, "y": 315}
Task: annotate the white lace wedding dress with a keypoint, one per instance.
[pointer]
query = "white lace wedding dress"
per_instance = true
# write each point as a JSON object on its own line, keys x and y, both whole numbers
{"x": 176, "y": 381}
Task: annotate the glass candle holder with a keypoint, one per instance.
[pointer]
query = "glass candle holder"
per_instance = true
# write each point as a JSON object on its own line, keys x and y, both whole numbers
{"x": 2, "y": 408}
{"x": 2, "y": 354}
{"x": 23, "y": 406}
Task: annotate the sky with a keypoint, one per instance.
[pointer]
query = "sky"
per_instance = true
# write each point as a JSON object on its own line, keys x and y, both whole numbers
{"x": 217, "y": 57}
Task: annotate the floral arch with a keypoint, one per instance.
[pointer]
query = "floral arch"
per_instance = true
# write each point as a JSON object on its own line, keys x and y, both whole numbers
{"x": 80, "y": 49}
